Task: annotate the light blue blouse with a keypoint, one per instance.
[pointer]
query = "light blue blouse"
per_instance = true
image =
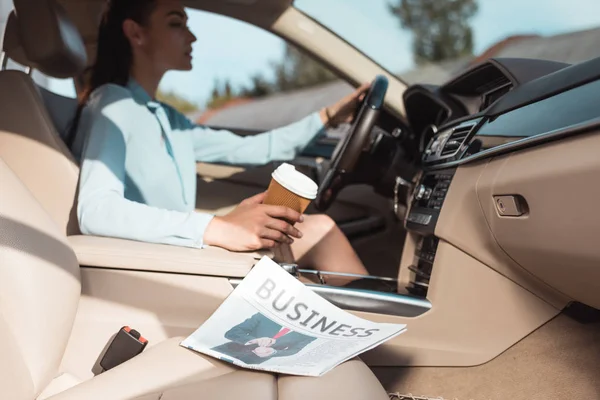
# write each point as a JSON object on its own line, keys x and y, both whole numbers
{"x": 138, "y": 164}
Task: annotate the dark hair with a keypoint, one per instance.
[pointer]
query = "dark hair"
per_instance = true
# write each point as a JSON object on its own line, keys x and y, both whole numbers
{"x": 113, "y": 52}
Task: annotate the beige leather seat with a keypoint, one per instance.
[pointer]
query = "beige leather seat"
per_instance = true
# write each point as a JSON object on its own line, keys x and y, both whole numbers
{"x": 40, "y": 282}
{"x": 29, "y": 142}
{"x": 39, "y": 293}
{"x": 60, "y": 108}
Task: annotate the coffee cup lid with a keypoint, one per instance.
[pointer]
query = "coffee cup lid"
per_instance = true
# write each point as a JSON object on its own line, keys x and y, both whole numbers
{"x": 295, "y": 181}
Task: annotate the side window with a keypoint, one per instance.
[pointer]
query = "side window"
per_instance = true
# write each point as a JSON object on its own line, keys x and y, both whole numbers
{"x": 244, "y": 77}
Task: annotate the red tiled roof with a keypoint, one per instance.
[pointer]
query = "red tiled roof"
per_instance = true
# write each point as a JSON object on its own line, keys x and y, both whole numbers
{"x": 499, "y": 46}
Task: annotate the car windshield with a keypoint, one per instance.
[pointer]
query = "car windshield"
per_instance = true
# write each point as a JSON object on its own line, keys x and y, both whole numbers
{"x": 428, "y": 41}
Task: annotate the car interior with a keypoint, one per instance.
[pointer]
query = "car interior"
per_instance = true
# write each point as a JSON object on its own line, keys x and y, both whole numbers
{"x": 471, "y": 203}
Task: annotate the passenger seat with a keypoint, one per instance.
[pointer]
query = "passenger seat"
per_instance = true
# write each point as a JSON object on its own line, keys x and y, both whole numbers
{"x": 39, "y": 294}
{"x": 61, "y": 110}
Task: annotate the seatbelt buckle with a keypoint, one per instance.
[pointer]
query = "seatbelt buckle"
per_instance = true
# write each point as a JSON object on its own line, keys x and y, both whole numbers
{"x": 126, "y": 344}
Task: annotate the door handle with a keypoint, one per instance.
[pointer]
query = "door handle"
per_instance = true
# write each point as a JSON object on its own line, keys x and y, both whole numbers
{"x": 511, "y": 205}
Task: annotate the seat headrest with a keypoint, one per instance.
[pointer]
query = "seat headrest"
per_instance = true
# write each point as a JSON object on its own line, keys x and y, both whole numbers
{"x": 40, "y": 34}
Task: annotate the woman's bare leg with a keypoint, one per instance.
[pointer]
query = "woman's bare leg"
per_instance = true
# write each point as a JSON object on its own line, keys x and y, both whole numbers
{"x": 324, "y": 247}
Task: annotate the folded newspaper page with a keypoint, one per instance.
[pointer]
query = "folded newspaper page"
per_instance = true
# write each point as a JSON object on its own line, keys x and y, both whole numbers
{"x": 272, "y": 322}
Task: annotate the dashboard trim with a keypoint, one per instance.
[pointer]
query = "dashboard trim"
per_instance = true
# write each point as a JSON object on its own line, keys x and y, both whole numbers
{"x": 445, "y": 135}
{"x": 524, "y": 143}
{"x": 385, "y": 303}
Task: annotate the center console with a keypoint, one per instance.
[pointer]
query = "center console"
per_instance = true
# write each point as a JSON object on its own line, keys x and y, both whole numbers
{"x": 427, "y": 201}
{"x": 426, "y": 205}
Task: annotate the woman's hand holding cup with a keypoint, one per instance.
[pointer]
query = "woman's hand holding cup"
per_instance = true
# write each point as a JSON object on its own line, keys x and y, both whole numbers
{"x": 253, "y": 225}
{"x": 265, "y": 220}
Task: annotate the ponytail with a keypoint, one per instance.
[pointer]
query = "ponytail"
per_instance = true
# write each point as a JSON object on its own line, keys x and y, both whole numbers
{"x": 114, "y": 55}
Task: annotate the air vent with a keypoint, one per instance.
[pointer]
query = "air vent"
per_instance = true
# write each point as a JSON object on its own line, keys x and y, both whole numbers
{"x": 457, "y": 139}
{"x": 493, "y": 84}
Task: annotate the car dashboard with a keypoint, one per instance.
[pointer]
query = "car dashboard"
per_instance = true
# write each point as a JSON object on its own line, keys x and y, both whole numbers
{"x": 469, "y": 133}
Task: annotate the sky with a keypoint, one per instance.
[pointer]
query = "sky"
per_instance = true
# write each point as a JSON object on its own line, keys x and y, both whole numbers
{"x": 232, "y": 50}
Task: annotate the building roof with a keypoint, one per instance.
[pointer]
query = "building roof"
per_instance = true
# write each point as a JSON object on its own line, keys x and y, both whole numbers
{"x": 571, "y": 48}
{"x": 436, "y": 73}
{"x": 283, "y": 108}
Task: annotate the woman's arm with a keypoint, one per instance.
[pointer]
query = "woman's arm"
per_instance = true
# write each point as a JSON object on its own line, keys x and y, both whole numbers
{"x": 102, "y": 208}
{"x": 279, "y": 144}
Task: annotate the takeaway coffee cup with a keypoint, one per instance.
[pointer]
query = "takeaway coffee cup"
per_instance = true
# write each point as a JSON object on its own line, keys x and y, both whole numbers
{"x": 290, "y": 188}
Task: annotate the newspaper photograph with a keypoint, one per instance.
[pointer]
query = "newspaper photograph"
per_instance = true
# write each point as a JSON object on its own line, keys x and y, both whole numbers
{"x": 272, "y": 322}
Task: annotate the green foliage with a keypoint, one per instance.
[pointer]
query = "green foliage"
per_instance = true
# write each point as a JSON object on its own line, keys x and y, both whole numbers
{"x": 295, "y": 70}
{"x": 220, "y": 95}
{"x": 258, "y": 88}
{"x": 298, "y": 70}
{"x": 181, "y": 104}
{"x": 440, "y": 28}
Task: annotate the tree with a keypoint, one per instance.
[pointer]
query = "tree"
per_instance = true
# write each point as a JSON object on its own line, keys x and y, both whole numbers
{"x": 295, "y": 70}
{"x": 220, "y": 94}
{"x": 179, "y": 103}
{"x": 298, "y": 70}
{"x": 215, "y": 91}
{"x": 440, "y": 28}
{"x": 258, "y": 88}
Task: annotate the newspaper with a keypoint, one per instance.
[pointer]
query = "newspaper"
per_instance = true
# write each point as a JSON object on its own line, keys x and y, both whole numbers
{"x": 272, "y": 322}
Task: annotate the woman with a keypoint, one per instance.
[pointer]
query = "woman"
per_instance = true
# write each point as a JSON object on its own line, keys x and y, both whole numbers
{"x": 138, "y": 177}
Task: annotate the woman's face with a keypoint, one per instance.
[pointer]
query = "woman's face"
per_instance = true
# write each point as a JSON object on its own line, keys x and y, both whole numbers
{"x": 165, "y": 39}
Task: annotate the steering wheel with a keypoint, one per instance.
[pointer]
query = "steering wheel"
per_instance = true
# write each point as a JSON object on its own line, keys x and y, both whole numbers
{"x": 348, "y": 153}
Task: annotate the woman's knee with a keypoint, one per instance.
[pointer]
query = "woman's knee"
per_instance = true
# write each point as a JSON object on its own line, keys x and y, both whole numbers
{"x": 319, "y": 223}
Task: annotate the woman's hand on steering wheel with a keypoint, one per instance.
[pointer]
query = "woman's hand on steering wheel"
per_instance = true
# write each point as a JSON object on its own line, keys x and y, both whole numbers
{"x": 344, "y": 109}
{"x": 253, "y": 226}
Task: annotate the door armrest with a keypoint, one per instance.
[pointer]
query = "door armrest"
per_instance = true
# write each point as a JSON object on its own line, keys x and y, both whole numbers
{"x": 106, "y": 252}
